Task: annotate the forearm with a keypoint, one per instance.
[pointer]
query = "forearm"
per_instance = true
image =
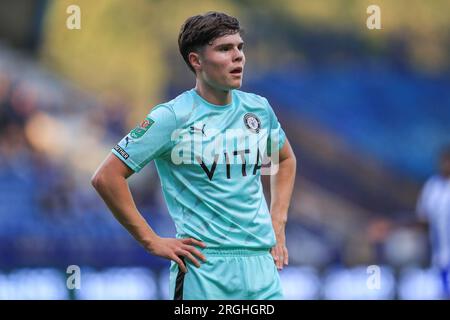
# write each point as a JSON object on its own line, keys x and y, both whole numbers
{"x": 281, "y": 186}
{"x": 116, "y": 194}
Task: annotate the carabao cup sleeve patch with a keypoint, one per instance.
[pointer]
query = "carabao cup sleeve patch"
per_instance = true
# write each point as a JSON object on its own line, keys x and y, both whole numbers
{"x": 149, "y": 140}
{"x": 141, "y": 129}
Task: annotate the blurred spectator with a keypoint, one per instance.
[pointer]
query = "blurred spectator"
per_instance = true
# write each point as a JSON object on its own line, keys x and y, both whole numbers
{"x": 377, "y": 232}
{"x": 433, "y": 208}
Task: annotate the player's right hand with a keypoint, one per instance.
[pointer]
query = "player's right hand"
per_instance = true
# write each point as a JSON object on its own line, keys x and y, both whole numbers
{"x": 174, "y": 249}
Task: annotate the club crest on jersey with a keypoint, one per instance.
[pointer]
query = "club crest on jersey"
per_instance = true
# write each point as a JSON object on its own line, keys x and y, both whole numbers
{"x": 141, "y": 129}
{"x": 252, "y": 122}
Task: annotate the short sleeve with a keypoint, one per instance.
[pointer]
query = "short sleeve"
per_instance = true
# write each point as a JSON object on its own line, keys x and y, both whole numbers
{"x": 276, "y": 137}
{"x": 149, "y": 140}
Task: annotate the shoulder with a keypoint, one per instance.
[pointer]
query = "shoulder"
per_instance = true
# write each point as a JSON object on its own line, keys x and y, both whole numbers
{"x": 181, "y": 106}
{"x": 251, "y": 98}
{"x": 177, "y": 108}
{"x": 181, "y": 101}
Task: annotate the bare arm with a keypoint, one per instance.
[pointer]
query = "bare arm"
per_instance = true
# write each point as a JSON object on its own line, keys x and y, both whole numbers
{"x": 110, "y": 182}
{"x": 281, "y": 186}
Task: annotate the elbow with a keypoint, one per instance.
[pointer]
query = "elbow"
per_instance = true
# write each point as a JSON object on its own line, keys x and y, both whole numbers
{"x": 97, "y": 180}
{"x": 294, "y": 159}
{"x": 294, "y": 168}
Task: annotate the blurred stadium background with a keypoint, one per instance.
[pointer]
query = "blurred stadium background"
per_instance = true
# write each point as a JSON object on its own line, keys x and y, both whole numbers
{"x": 365, "y": 110}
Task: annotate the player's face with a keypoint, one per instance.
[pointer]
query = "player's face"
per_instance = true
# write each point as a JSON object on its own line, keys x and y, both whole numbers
{"x": 222, "y": 62}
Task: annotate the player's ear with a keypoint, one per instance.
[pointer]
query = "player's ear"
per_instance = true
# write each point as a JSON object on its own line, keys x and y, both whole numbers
{"x": 194, "y": 60}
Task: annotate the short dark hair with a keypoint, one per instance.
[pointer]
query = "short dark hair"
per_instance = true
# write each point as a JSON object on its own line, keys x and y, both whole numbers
{"x": 200, "y": 30}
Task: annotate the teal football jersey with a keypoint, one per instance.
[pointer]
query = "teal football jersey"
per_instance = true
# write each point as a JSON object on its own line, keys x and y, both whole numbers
{"x": 210, "y": 159}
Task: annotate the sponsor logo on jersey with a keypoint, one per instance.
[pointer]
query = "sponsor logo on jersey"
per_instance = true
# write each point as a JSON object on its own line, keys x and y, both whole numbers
{"x": 196, "y": 129}
{"x": 122, "y": 152}
{"x": 127, "y": 140}
{"x": 252, "y": 122}
{"x": 232, "y": 149}
{"x": 141, "y": 129}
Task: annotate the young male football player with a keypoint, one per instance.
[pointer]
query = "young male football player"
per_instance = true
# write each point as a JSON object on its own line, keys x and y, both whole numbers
{"x": 209, "y": 144}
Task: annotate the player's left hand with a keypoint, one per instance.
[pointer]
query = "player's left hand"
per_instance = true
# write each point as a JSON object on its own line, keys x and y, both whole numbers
{"x": 279, "y": 251}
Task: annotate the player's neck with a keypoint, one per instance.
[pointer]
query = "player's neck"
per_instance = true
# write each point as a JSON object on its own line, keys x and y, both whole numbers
{"x": 214, "y": 96}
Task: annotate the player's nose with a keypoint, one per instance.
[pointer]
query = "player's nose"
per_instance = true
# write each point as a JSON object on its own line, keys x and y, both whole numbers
{"x": 238, "y": 55}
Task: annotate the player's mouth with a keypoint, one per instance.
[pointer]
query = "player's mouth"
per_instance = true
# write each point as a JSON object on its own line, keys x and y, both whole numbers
{"x": 237, "y": 71}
